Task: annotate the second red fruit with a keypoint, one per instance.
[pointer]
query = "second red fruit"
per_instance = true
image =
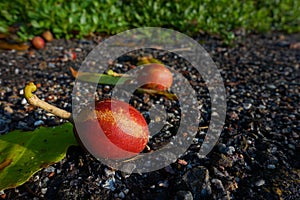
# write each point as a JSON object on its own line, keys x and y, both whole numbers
{"x": 155, "y": 76}
{"x": 38, "y": 42}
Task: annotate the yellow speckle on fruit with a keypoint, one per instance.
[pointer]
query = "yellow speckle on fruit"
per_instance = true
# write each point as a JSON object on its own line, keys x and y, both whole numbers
{"x": 122, "y": 119}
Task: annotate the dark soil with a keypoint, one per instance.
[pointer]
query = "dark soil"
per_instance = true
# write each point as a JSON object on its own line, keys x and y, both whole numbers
{"x": 257, "y": 156}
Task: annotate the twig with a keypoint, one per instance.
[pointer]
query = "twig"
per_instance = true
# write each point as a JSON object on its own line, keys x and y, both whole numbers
{"x": 32, "y": 99}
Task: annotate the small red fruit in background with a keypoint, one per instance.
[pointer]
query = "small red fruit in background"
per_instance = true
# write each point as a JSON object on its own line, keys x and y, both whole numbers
{"x": 38, "y": 42}
{"x": 118, "y": 132}
{"x": 47, "y": 35}
{"x": 155, "y": 76}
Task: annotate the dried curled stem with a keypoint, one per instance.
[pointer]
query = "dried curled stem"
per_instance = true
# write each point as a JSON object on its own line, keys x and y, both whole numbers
{"x": 32, "y": 99}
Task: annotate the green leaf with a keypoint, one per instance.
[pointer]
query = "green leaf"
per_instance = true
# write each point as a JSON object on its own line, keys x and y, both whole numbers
{"x": 102, "y": 78}
{"x": 24, "y": 153}
{"x": 35, "y": 24}
{"x": 83, "y": 18}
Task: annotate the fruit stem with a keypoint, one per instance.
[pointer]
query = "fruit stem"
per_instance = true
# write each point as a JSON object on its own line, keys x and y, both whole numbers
{"x": 32, "y": 99}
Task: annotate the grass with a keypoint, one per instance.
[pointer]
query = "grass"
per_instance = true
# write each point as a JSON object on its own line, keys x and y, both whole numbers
{"x": 75, "y": 18}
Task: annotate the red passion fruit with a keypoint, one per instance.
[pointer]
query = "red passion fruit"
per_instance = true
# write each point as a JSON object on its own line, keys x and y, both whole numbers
{"x": 119, "y": 131}
{"x": 155, "y": 76}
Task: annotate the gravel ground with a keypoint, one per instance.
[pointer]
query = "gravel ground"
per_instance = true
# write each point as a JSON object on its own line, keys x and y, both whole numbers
{"x": 258, "y": 152}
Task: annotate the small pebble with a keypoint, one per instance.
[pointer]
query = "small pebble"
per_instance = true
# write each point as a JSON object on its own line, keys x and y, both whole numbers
{"x": 271, "y": 166}
{"x": 182, "y": 162}
{"x": 39, "y": 123}
{"x": 52, "y": 65}
{"x": 122, "y": 195}
{"x": 230, "y": 150}
{"x": 164, "y": 184}
{"x": 110, "y": 184}
{"x": 271, "y": 86}
{"x": 24, "y": 101}
{"x": 49, "y": 169}
{"x": 126, "y": 191}
{"x": 152, "y": 186}
{"x": 295, "y": 135}
{"x": 17, "y": 71}
{"x": 292, "y": 146}
{"x": 44, "y": 190}
{"x": 222, "y": 148}
{"x": 36, "y": 178}
{"x": 247, "y": 106}
{"x": 260, "y": 182}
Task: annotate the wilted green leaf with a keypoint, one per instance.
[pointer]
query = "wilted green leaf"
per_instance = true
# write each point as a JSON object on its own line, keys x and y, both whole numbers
{"x": 157, "y": 92}
{"x": 24, "y": 153}
{"x": 102, "y": 78}
{"x": 147, "y": 60}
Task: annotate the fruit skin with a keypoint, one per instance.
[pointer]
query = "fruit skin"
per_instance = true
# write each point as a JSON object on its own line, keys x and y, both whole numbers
{"x": 119, "y": 131}
{"x": 38, "y": 42}
{"x": 47, "y": 35}
{"x": 155, "y": 76}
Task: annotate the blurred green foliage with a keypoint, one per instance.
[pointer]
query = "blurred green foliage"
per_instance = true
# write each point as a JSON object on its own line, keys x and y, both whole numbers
{"x": 76, "y": 18}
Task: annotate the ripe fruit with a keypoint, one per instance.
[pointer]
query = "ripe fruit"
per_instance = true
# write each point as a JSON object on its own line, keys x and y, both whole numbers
{"x": 155, "y": 76}
{"x": 47, "y": 35}
{"x": 38, "y": 42}
{"x": 119, "y": 131}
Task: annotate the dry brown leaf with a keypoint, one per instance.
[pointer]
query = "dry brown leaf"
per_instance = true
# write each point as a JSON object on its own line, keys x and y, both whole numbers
{"x": 11, "y": 46}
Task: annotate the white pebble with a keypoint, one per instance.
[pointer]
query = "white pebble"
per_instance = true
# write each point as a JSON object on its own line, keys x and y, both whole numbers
{"x": 38, "y": 123}
{"x": 271, "y": 166}
{"x": 52, "y": 65}
{"x": 36, "y": 178}
{"x": 163, "y": 184}
{"x": 230, "y": 150}
{"x": 24, "y": 101}
{"x": 247, "y": 106}
{"x": 260, "y": 183}
{"x": 49, "y": 169}
{"x": 126, "y": 191}
{"x": 44, "y": 190}
{"x": 121, "y": 195}
{"x": 110, "y": 184}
